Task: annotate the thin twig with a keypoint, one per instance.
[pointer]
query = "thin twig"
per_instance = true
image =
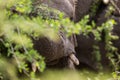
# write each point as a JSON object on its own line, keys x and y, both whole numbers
{"x": 113, "y": 3}
{"x": 18, "y": 62}
{"x": 22, "y": 41}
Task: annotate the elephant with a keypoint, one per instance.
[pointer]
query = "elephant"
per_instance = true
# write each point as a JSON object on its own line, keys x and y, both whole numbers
{"x": 62, "y": 52}
{"x": 59, "y": 53}
{"x": 76, "y": 10}
{"x": 54, "y": 50}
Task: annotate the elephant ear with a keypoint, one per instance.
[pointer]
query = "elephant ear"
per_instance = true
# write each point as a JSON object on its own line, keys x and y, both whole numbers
{"x": 81, "y": 8}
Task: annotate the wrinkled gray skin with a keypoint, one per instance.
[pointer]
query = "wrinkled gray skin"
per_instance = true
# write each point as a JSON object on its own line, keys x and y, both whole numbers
{"x": 85, "y": 44}
{"x": 62, "y": 5}
{"x": 57, "y": 53}
{"x": 52, "y": 50}
{"x": 81, "y": 8}
{"x": 76, "y": 10}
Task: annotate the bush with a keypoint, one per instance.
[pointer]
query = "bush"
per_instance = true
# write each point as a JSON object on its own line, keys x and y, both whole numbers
{"x": 19, "y": 22}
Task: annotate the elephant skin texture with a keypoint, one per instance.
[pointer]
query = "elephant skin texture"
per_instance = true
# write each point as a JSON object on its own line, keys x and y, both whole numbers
{"x": 53, "y": 51}
{"x": 81, "y": 8}
{"x": 64, "y": 6}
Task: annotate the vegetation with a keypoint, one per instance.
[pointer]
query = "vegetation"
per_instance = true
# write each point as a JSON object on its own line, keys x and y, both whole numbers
{"x": 18, "y": 28}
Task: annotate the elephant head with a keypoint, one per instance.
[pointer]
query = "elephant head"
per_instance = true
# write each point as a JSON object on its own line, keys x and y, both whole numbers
{"x": 64, "y": 47}
{"x": 53, "y": 51}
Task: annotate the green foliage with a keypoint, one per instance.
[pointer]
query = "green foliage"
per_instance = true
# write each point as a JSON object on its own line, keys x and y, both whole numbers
{"x": 24, "y": 6}
{"x": 17, "y": 29}
{"x": 107, "y": 27}
{"x": 45, "y": 11}
{"x": 7, "y": 70}
{"x": 94, "y": 7}
{"x": 15, "y": 35}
